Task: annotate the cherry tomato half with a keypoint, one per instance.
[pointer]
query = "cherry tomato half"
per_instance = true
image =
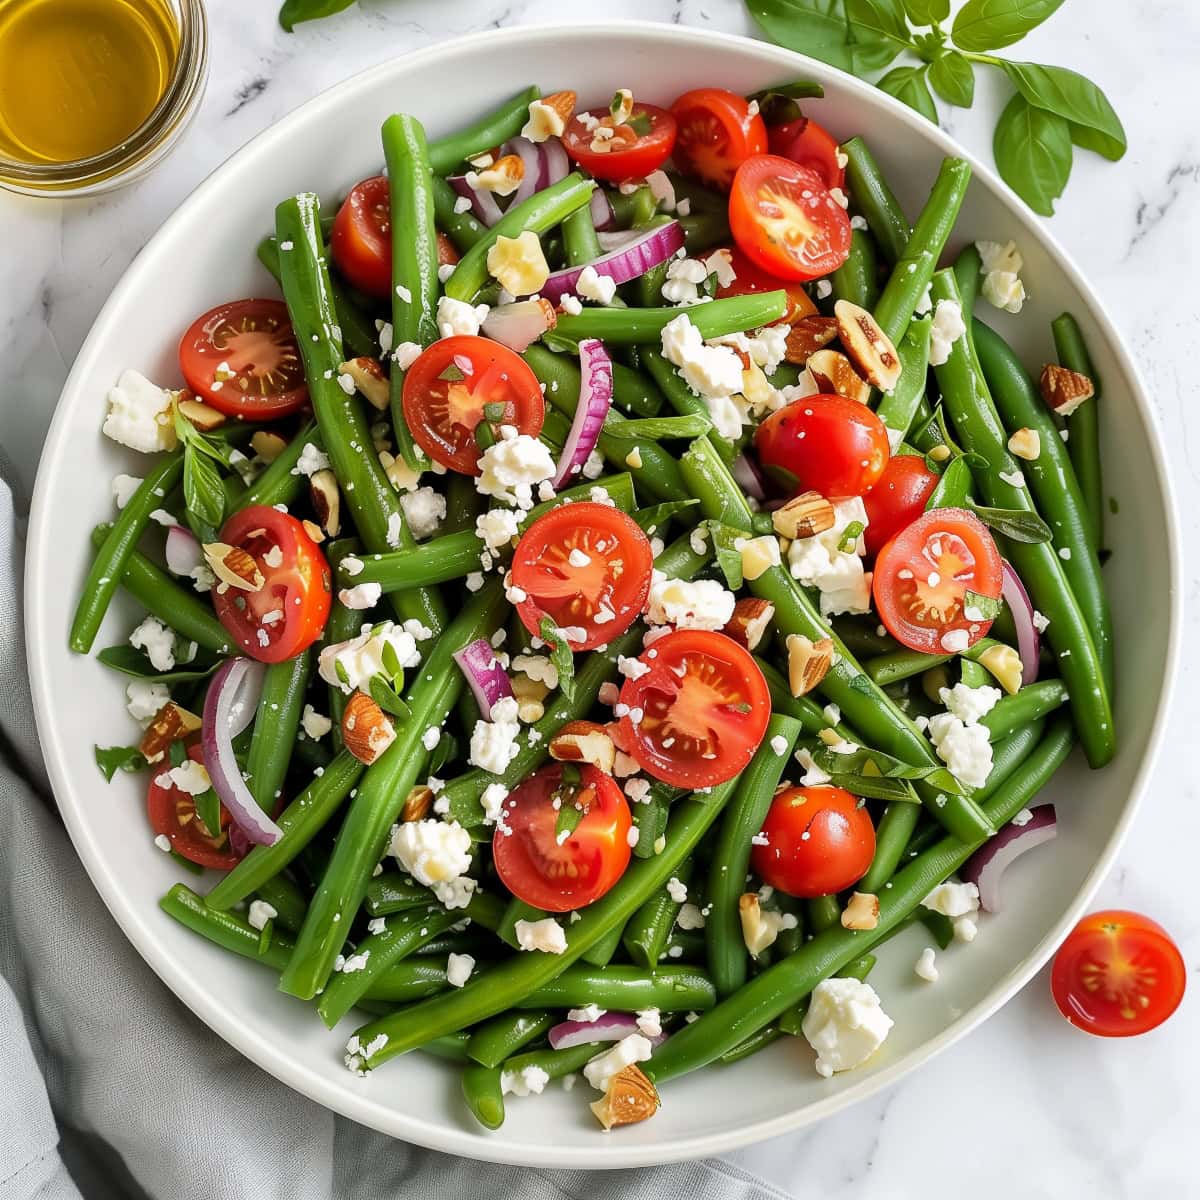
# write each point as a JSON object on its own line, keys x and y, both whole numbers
{"x": 818, "y": 840}
{"x": 557, "y": 876}
{"x": 749, "y": 277}
{"x": 812, "y": 146}
{"x": 824, "y": 443}
{"x": 242, "y": 358}
{"x": 697, "y": 716}
{"x": 447, "y": 251}
{"x": 922, "y": 577}
{"x": 641, "y": 145}
{"x": 1118, "y": 974}
{"x": 361, "y": 240}
{"x": 446, "y": 388}
{"x": 586, "y": 567}
{"x": 717, "y": 133}
{"x": 897, "y": 499}
{"x": 172, "y": 812}
{"x": 288, "y": 612}
{"x": 784, "y": 218}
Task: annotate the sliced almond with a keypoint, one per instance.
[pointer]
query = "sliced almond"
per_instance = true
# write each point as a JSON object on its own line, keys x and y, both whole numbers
{"x": 759, "y": 929}
{"x": 749, "y": 622}
{"x": 869, "y": 348}
{"x": 630, "y": 1098}
{"x": 326, "y": 500}
{"x": 233, "y": 566}
{"x": 803, "y": 516}
{"x": 586, "y": 742}
{"x": 1064, "y": 391}
{"x": 809, "y": 335}
{"x": 861, "y": 912}
{"x": 417, "y": 803}
{"x": 369, "y": 378}
{"x": 548, "y": 117}
{"x": 267, "y": 445}
{"x": 1026, "y": 444}
{"x": 833, "y": 372}
{"x": 808, "y": 662}
{"x": 529, "y": 695}
{"x": 203, "y": 416}
{"x": 502, "y": 178}
{"x": 170, "y": 724}
{"x": 621, "y": 106}
{"x": 1004, "y": 663}
{"x": 313, "y": 530}
{"x": 367, "y": 730}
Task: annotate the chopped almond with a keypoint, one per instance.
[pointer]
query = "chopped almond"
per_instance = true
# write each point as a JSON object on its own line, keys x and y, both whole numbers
{"x": 862, "y": 911}
{"x": 808, "y": 662}
{"x": 1064, "y": 391}
{"x": 748, "y": 624}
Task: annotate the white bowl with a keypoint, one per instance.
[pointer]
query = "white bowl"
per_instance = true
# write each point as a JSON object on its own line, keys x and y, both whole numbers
{"x": 205, "y": 254}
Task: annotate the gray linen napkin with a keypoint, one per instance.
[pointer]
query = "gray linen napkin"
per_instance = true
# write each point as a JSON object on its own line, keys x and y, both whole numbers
{"x": 110, "y": 1088}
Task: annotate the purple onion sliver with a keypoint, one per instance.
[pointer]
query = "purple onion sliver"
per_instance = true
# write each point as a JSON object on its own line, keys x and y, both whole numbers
{"x": 1013, "y": 593}
{"x": 558, "y": 165}
{"x": 487, "y": 679}
{"x": 633, "y": 258}
{"x": 602, "y": 211}
{"x": 183, "y": 554}
{"x": 520, "y": 324}
{"x": 608, "y": 1027}
{"x": 985, "y": 868}
{"x": 595, "y": 399}
{"x": 534, "y": 163}
{"x": 483, "y": 204}
{"x": 747, "y": 477}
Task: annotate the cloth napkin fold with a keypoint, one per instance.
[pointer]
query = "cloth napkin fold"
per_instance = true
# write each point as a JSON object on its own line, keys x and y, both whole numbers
{"x": 112, "y": 1089}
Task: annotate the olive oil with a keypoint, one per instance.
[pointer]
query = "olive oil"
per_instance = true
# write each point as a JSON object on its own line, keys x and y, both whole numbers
{"x": 77, "y": 77}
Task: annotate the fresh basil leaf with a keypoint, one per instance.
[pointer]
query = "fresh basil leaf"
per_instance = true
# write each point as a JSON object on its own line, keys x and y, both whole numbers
{"x": 177, "y": 754}
{"x": 820, "y": 28}
{"x": 133, "y": 662}
{"x": 1094, "y": 140}
{"x": 657, "y": 429}
{"x": 202, "y": 491}
{"x": 951, "y": 490}
{"x": 993, "y": 24}
{"x": 927, "y": 12}
{"x": 874, "y": 787}
{"x": 1033, "y": 153}
{"x": 560, "y": 656}
{"x": 728, "y": 556}
{"x": 111, "y": 759}
{"x": 208, "y": 811}
{"x": 1075, "y": 98}
{"x": 1017, "y": 524}
{"x": 989, "y": 607}
{"x": 908, "y": 84}
{"x": 880, "y": 18}
{"x": 385, "y": 696}
{"x": 569, "y": 816}
{"x": 295, "y": 11}
{"x": 652, "y": 520}
{"x": 953, "y": 78}
{"x": 560, "y": 343}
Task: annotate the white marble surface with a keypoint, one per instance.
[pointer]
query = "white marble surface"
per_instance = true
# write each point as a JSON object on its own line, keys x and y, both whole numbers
{"x": 1023, "y": 1101}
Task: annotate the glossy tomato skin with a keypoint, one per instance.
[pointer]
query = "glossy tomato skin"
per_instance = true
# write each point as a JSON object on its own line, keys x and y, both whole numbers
{"x": 361, "y": 240}
{"x": 717, "y": 132}
{"x": 922, "y": 576}
{"x": 549, "y": 568}
{"x": 557, "y": 877}
{"x": 897, "y": 500}
{"x": 1118, "y": 974}
{"x": 819, "y": 840}
{"x": 812, "y": 146}
{"x": 784, "y": 218}
{"x": 698, "y": 714}
{"x": 250, "y": 345}
{"x": 172, "y": 813}
{"x": 750, "y": 278}
{"x": 632, "y": 155}
{"x": 824, "y": 443}
{"x": 447, "y": 386}
{"x": 297, "y": 583}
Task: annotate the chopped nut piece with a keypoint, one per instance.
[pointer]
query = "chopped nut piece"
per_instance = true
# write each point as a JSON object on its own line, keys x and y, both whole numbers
{"x": 1026, "y": 444}
{"x": 808, "y": 662}
{"x": 759, "y": 929}
{"x": 809, "y": 335}
{"x": 862, "y": 911}
{"x": 366, "y": 729}
{"x": 170, "y": 724}
{"x": 201, "y": 415}
{"x": 503, "y": 177}
{"x": 233, "y": 566}
{"x": 1005, "y": 665}
{"x": 326, "y": 500}
{"x": 268, "y": 446}
{"x": 759, "y": 555}
{"x": 369, "y": 378}
{"x": 313, "y": 530}
{"x": 869, "y": 348}
{"x": 1064, "y": 391}
{"x": 417, "y": 804}
{"x": 833, "y": 372}
{"x": 748, "y": 625}
{"x": 584, "y": 741}
{"x": 548, "y": 116}
{"x": 630, "y": 1098}
{"x": 804, "y": 516}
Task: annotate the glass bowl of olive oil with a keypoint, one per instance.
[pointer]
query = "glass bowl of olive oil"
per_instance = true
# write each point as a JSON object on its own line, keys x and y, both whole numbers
{"x": 93, "y": 93}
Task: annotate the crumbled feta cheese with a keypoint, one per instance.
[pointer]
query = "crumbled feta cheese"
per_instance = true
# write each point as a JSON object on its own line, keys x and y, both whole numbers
{"x": 144, "y": 699}
{"x": 845, "y": 1024}
{"x": 1001, "y": 286}
{"x": 925, "y": 967}
{"x": 814, "y": 776}
{"x": 431, "y": 737}
{"x": 462, "y": 204}
{"x": 948, "y": 326}
{"x": 965, "y": 930}
{"x": 123, "y": 487}
{"x": 823, "y": 289}
{"x": 424, "y": 511}
{"x": 649, "y": 1022}
{"x": 970, "y": 705}
{"x": 158, "y": 642}
{"x": 593, "y": 468}
{"x": 677, "y": 890}
{"x": 163, "y": 843}
{"x": 492, "y": 800}
{"x": 587, "y": 1014}
{"x": 510, "y": 469}
{"x": 312, "y": 459}
{"x": 497, "y": 527}
{"x": 362, "y": 595}
{"x": 437, "y": 854}
{"x": 352, "y": 664}
{"x": 779, "y": 744}
{"x": 599, "y": 1071}
{"x": 190, "y": 777}
{"x": 260, "y": 913}
{"x": 953, "y": 899}
{"x": 458, "y": 969}
{"x": 139, "y": 414}
{"x": 839, "y": 576}
{"x": 964, "y": 749}
{"x": 690, "y": 917}
{"x": 458, "y": 318}
{"x": 406, "y": 354}
{"x": 494, "y": 742}
{"x": 688, "y": 604}
{"x": 545, "y": 935}
{"x": 662, "y": 189}
{"x": 314, "y": 724}
{"x": 519, "y": 264}
{"x": 708, "y": 370}
{"x": 570, "y": 304}
{"x": 593, "y": 286}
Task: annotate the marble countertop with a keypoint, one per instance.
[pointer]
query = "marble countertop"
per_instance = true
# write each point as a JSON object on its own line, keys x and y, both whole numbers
{"x": 1022, "y": 1101}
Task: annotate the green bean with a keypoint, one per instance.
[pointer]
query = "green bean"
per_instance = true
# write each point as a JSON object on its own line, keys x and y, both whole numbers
{"x": 556, "y": 1063}
{"x": 893, "y": 833}
{"x": 541, "y": 212}
{"x": 408, "y": 980}
{"x": 623, "y": 988}
{"x": 516, "y": 910}
{"x": 857, "y": 279}
{"x": 506, "y": 122}
{"x": 342, "y": 624}
{"x": 650, "y": 817}
{"x": 824, "y": 912}
{"x": 792, "y": 938}
{"x": 704, "y": 230}
{"x": 890, "y": 668}
{"x": 685, "y": 946}
{"x": 287, "y": 899}
{"x": 681, "y": 397}
{"x": 482, "y": 1090}
{"x": 753, "y": 1044}
{"x": 275, "y": 726}
{"x": 601, "y": 952}
{"x": 1031, "y": 702}
{"x": 501, "y": 1037}
{"x": 728, "y": 960}
{"x": 1053, "y": 484}
{"x": 784, "y": 984}
{"x": 518, "y": 980}
{"x": 228, "y": 930}
{"x": 579, "y": 238}
{"x": 392, "y": 892}
{"x": 451, "y": 1048}
{"x": 461, "y": 228}
{"x": 366, "y": 490}
{"x": 803, "y": 708}
{"x": 792, "y": 1021}
{"x": 634, "y": 393}
{"x": 966, "y": 397}
{"x": 108, "y": 567}
{"x": 876, "y": 201}
{"x": 381, "y": 795}
{"x": 162, "y": 597}
{"x": 863, "y": 639}
{"x": 968, "y": 268}
{"x": 646, "y": 933}
{"x": 463, "y": 504}
{"x": 280, "y": 483}
{"x": 641, "y": 326}
{"x": 898, "y": 409}
{"x": 1083, "y": 425}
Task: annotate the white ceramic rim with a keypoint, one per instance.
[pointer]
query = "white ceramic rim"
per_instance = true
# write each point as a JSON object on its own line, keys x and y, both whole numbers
{"x": 439, "y": 1137}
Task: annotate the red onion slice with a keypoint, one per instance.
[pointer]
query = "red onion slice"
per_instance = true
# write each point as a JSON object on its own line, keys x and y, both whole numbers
{"x": 534, "y": 161}
{"x": 483, "y": 203}
{"x": 608, "y": 1027}
{"x": 558, "y": 165}
{"x": 518, "y": 325}
{"x": 986, "y": 866}
{"x": 183, "y": 553}
{"x": 633, "y": 258}
{"x": 602, "y": 211}
{"x": 1013, "y": 593}
{"x": 228, "y": 708}
{"x": 595, "y": 399}
{"x": 747, "y": 477}
{"x": 485, "y": 676}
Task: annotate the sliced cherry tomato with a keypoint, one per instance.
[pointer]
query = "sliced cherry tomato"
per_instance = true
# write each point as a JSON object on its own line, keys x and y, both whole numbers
{"x": 641, "y": 145}
{"x": 172, "y": 812}
{"x": 819, "y": 840}
{"x": 242, "y": 358}
{"x": 361, "y": 240}
{"x": 445, "y": 391}
{"x": 812, "y": 146}
{"x": 897, "y": 499}
{"x": 586, "y": 567}
{"x": 561, "y": 875}
{"x": 825, "y": 443}
{"x": 922, "y": 577}
{"x": 288, "y": 612}
{"x": 1118, "y": 974}
{"x": 697, "y": 716}
{"x": 447, "y": 251}
{"x": 784, "y": 218}
{"x": 750, "y": 277}
{"x": 717, "y": 133}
